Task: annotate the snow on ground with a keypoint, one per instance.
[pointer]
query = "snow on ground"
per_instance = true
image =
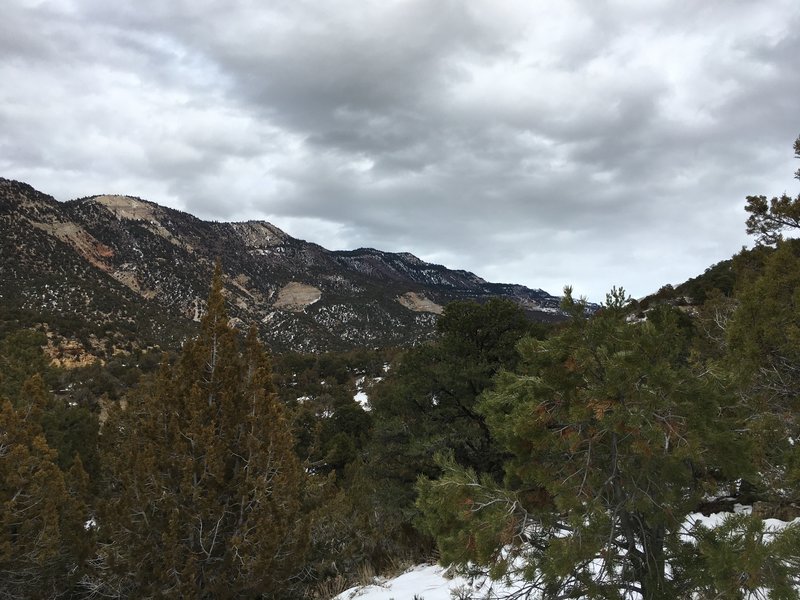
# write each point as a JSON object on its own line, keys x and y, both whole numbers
{"x": 426, "y": 581}
{"x": 361, "y": 396}
{"x": 429, "y": 582}
{"x": 715, "y": 519}
{"x": 423, "y": 582}
{"x": 434, "y": 582}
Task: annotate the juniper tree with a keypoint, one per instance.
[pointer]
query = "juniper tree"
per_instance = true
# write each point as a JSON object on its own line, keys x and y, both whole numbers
{"x": 205, "y": 491}
{"x": 43, "y": 541}
{"x": 25, "y": 380}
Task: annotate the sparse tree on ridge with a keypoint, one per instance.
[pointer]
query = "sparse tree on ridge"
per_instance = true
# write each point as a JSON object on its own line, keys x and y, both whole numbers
{"x": 768, "y": 219}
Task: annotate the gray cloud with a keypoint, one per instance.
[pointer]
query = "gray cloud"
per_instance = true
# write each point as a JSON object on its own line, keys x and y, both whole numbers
{"x": 592, "y": 143}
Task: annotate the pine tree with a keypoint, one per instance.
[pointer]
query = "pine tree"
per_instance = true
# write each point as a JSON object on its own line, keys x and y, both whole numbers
{"x": 205, "y": 492}
{"x": 428, "y": 401}
{"x": 615, "y": 437}
{"x": 427, "y": 404}
{"x": 762, "y": 339}
{"x": 21, "y": 358}
{"x": 769, "y": 219}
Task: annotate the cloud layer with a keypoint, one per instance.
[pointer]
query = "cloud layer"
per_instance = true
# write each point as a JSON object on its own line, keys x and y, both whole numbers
{"x": 591, "y": 143}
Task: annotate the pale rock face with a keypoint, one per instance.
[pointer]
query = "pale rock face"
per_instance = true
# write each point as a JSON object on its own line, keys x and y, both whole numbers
{"x": 259, "y": 234}
{"x": 419, "y": 303}
{"x": 295, "y": 296}
{"x": 68, "y": 354}
{"x": 83, "y": 242}
{"x": 126, "y": 207}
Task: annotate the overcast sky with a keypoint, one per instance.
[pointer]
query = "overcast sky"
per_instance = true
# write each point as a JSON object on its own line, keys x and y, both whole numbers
{"x": 541, "y": 142}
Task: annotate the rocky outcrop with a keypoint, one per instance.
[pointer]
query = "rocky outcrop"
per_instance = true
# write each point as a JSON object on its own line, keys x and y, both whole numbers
{"x": 296, "y": 296}
{"x": 419, "y": 303}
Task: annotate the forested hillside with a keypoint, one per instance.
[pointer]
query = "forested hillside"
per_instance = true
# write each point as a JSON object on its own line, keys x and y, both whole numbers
{"x": 567, "y": 456}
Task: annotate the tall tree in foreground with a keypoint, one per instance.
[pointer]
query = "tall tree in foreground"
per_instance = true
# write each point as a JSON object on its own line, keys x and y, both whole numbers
{"x": 615, "y": 438}
{"x": 205, "y": 490}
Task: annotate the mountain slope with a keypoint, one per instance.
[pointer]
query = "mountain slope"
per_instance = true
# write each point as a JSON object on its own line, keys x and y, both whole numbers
{"x": 113, "y": 265}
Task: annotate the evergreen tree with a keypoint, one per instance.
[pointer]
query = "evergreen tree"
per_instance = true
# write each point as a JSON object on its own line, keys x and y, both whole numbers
{"x": 763, "y": 335}
{"x": 25, "y": 380}
{"x": 43, "y": 541}
{"x": 21, "y": 358}
{"x": 762, "y": 347}
{"x": 428, "y": 402}
{"x": 762, "y": 339}
{"x": 768, "y": 219}
{"x": 427, "y": 405}
{"x": 615, "y": 437}
{"x": 205, "y": 491}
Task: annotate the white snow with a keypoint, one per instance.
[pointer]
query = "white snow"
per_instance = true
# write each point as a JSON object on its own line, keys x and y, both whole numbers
{"x": 426, "y": 582}
{"x": 429, "y": 582}
{"x": 362, "y": 398}
{"x": 713, "y": 520}
{"x": 434, "y": 582}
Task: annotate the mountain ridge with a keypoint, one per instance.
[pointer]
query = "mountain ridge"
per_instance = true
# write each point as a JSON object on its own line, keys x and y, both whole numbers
{"x": 120, "y": 261}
